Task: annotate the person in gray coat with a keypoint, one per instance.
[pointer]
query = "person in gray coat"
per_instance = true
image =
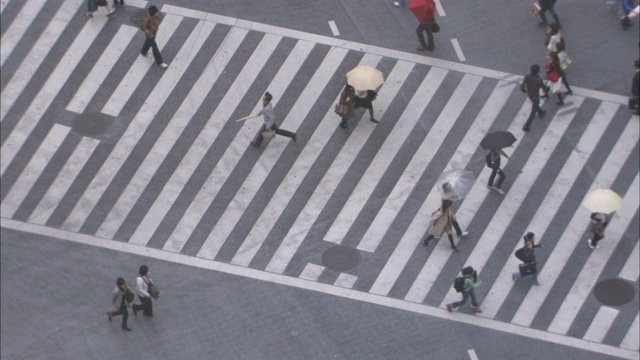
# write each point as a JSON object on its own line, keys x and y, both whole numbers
{"x": 119, "y": 301}
{"x": 269, "y": 122}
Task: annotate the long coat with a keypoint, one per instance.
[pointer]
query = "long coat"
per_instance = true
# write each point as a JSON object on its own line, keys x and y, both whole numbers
{"x": 443, "y": 223}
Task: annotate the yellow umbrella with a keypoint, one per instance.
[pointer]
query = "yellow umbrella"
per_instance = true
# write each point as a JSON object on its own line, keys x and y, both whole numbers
{"x": 365, "y": 77}
{"x": 602, "y": 201}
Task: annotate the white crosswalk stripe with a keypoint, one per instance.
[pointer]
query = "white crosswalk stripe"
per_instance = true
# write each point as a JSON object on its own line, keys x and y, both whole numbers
{"x": 313, "y": 176}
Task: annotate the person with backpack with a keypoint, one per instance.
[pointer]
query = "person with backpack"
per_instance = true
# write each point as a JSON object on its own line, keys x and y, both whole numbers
{"x": 444, "y": 220}
{"x": 527, "y": 256}
{"x": 120, "y": 299}
{"x": 150, "y": 27}
{"x": 493, "y": 162}
{"x": 598, "y": 224}
{"x": 466, "y": 284}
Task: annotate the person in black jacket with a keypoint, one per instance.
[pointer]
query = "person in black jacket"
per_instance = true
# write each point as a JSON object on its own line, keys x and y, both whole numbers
{"x": 547, "y": 5}
{"x": 531, "y": 85}
{"x": 493, "y": 162}
{"x": 527, "y": 256}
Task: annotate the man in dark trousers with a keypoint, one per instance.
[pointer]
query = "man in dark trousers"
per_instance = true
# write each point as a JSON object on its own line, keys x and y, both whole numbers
{"x": 119, "y": 301}
{"x": 493, "y": 162}
{"x": 150, "y": 26}
{"x": 269, "y": 122}
{"x": 532, "y": 85}
{"x": 426, "y": 24}
{"x": 547, "y": 5}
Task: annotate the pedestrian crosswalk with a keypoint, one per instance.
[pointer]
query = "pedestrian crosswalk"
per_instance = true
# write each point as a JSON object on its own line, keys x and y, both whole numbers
{"x": 176, "y": 171}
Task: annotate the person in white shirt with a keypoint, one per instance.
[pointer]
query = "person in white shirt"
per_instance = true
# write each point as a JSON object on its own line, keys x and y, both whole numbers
{"x": 269, "y": 117}
{"x": 142, "y": 287}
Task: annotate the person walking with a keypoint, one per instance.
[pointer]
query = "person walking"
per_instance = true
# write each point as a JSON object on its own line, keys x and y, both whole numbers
{"x": 444, "y": 221}
{"x": 142, "y": 286}
{"x": 364, "y": 99}
{"x": 531, "y": 85}
{"x": 557, "y": 81}
{"x": 119, "y": 301}
{"x": 493, "y": 162}
{"x": 527, "y": 255}
{"x": 471, "y": 282}
{"x": 347, "y": 105}
{"x": 92, "y": 6}
{"x": 598, "y": 224}
{"x": 634, "y": 100}
{"x": 553, "y": 37}
{"x": 150, "y": 27}
{"x": 426, "y": 25}
{"x": 269, "y": 122}
{"x": 547, "y": 5}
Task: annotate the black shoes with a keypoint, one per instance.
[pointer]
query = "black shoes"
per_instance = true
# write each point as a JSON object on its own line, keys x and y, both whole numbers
{"x": 135, "y": 312}
{"x": 126, "y": 328}
{"x": 374, "y": 120}
{"x": 255, "y": 144}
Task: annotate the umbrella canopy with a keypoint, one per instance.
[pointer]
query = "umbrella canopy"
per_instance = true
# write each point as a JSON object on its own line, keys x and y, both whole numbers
{"x": 602, "y": 201}
{"x": 424, "y": 10}
{"x": 498, "y": 140}
{"x": 455, "y": 184}
{"x": 365, "y": 77}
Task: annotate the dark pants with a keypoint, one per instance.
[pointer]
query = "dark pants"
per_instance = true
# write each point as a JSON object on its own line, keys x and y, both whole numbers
{"x": 552, "y": 11}
{"x": 146, "y": 306}
{"x": 456, "y": 227}
{"x": 501, "y": 177}
{"x": 596, "y": 238}
{"x": 422, "y": 28}
{"x": 535, "y": 108}
{"x": 151, "y": 43}
{"x": 465, "y": 296}
{"x": 257, "y": 140}
{"x": 125, "y": 315}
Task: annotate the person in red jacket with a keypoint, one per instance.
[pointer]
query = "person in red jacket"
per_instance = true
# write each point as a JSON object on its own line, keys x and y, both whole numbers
{"x": 427, "y": 22}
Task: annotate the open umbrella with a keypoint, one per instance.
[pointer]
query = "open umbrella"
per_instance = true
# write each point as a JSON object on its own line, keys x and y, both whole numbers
{"x": 498, "y": 140}
{"x": 365, "y": 77}
{"x": 424, "y": 10}
{"x": 602, "y": 201}
{"x": 455, "y": 184}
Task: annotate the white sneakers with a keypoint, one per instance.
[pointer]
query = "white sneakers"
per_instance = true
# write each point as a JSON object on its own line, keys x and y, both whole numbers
{"x": 163, "y": 66}
{"x": 591, "y": 245}
{"x": 498, "y": 190}
{"x": 465, "y": 233}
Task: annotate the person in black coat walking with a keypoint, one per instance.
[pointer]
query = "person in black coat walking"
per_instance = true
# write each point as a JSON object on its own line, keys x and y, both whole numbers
{"x": 547, "y": 5}
{"x": 531, "y": 85}
{"x": 527, "y": 256}
{"x": 493, "y": 162}
{"x": 598, "y": 224}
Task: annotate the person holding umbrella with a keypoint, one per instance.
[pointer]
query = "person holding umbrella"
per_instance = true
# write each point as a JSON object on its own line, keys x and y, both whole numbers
{"x": 346, "y": 105}
{"x": 364, "y": 79}
{"x": 425, "y": 12}
{"x": 600, "y": 202}
{"x": 443, "y": 221}
{"x": 598, "y": 224}
{"x": 495, "y": 142}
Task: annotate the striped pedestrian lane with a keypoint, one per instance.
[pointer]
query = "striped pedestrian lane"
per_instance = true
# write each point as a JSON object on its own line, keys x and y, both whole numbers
{"x": 448, "y": 93}
{"x": 19, "y": 26}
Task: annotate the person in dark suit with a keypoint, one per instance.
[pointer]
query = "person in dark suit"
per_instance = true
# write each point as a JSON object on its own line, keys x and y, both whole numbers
{"x": 531, "y": 85}
{"x": 493, "y": 162}
{"x": 528, "y": 257}
{"x": 547, "y": 5}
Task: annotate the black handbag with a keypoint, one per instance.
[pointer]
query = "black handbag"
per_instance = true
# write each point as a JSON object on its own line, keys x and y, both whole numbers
{"x": 435, "y": 27}
{"x": 152, "y": 289}
{"x": 633, "y": 103}
{"x": 528, "y": 269}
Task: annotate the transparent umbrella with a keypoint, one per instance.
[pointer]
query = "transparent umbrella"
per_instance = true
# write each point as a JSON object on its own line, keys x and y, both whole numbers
{"x": 455, "y": 184}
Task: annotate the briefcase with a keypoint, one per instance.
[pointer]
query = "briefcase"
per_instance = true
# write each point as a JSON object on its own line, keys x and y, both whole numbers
{"x": 528, "y": 269}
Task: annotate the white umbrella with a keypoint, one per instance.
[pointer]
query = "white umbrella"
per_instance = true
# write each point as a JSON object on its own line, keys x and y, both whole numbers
{"x": 365, "y": 77}
{"x": 602, "y": 201}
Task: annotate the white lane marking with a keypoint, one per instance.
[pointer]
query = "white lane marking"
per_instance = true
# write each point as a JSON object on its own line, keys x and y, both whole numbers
{"x": 137, "y": 127}
{"x": 441, "y": 252}
{"x": 458, "y": 49}
{"x": 197, "y": 95}
{"x": 631, "y": 341}
{"x": 311, "y": 272}
{"x": 631, "y": 269}
{"x": 334, "y": 28}
{"x": 517, "y": 192}
{"x": 384, "y": 157}
{"x": 345, "y": 280}
{"x": 36, "y": 55}
{"x": 101, "y": 69}
{"x": 47, "y": 93}
{"x": 63, "y": 181}
{"x": 308, "y": 216}
{"x": 563, "y": 250}
{"x": 18, "y": 27}
{"x": 139, "y": 68}
{"x": 472, "y": 354}
{"x": 355, "y": 295}
{"x": 3, "y": 4}
{"x": 201, "y": 145}
{"x": 365, "y": 48}
{"x": 419, "y": 162}
{"x": 591, "y": 270}
{"x": 601, "y": 324}
{"x": 33, "y": 170}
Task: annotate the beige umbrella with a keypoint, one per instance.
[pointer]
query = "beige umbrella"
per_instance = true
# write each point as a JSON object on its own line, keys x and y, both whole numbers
{"x": 602, "y": 201}
{"x": 365, "y": 77}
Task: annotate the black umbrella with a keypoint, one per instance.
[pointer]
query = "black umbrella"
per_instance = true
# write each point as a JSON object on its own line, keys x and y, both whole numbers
{"x": 498, "y": 140}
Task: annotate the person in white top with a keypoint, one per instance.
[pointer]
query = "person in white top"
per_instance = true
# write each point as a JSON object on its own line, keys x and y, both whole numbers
{"x": 142, "y": 287}
{"x": 553, "y": 36}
